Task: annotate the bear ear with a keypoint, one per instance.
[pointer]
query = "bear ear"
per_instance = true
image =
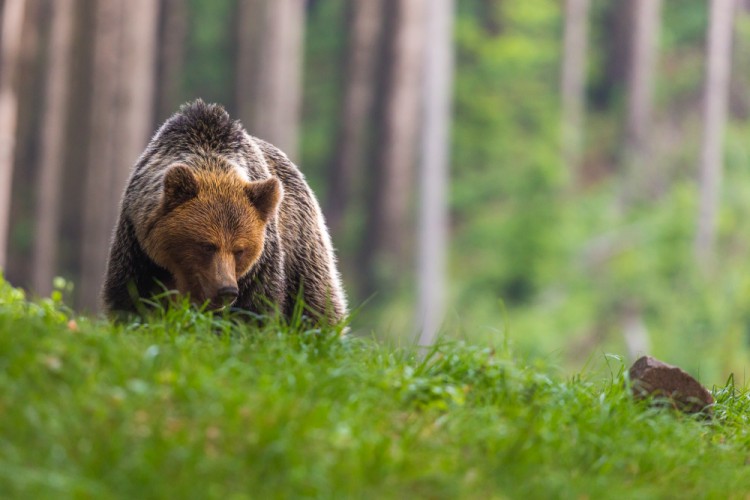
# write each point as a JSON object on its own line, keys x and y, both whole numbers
{"x": 265, "y": 195}
{"x": 180, "y": 186}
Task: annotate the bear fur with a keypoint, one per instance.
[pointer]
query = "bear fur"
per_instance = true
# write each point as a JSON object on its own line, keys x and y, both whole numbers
{"x": 223, "y": 217}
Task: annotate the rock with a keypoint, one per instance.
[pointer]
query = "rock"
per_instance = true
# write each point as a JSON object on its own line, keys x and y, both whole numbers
{"x": 651, "y": 377}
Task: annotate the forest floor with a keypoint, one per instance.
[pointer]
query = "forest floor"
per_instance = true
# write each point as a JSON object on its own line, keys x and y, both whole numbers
{"x": 190, "y": 406}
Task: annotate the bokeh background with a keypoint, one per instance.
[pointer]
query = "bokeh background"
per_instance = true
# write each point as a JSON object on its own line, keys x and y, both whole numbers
{"x": 571, "y": 177}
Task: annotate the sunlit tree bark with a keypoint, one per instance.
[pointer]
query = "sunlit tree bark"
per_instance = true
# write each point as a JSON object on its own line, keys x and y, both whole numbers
{"x": 644, "y": 52}
{"x": 719, "y": 57}
{"x": 435, "y": 140}
{"x": 54, "y": 121}
{"x": 573, "y": 85}
{"x": 10, "y": 46}
{"x": 122, "y": 111}
{"x": 102, "y": 160}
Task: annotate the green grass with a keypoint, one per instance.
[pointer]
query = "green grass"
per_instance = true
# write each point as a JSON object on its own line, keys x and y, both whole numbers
{"x": 190, "y": 406}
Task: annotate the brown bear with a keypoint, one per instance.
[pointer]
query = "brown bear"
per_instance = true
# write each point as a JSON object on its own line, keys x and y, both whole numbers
{"x": 222, "y": 217}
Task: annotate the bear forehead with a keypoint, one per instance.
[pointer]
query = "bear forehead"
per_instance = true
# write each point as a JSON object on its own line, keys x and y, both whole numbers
{"x": 220, "y": 181}
{"x": 222, "y": 209}
{"x": 222, "y": 190}
{"x": 220, "y": 224}
{"x": 221, "y": 204}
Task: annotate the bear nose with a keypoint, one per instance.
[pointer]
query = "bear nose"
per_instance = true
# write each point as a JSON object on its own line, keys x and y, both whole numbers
{"x": 228, "y": 294}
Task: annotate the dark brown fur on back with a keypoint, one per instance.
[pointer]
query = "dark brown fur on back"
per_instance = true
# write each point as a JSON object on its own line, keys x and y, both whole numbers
{"x": 207, "y": 204}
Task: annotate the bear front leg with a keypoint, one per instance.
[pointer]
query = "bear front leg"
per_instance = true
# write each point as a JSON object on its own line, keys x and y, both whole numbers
{"x": 131, "y": 275}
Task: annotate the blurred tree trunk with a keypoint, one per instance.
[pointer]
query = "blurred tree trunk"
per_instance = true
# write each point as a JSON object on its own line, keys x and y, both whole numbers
{"x": 490, "y": 14}
{"x": 645, "y": 46}
{"x": 122, "y": 111}
{"x": 617, "y": 48}
{"x": 54, "y": 123}
{"x": 739, "y": 86}
{"x": 364, "y": 21}
{"x": 269, "y": 69}
{"x": 639, "y": 172}
{"x": 102, "y": 159}
{"x": 173, "y": 31}
{"x": 78, "y": 135}
{"x": 30, "y": 89}
{"x": 250, "y": 32}
{"x": 388, "y": 226}
{"x": 573, "y": 84}
{"x": 433, "y": 220}
{"x": 716, "y": 93}
{"x": 10, "y": 46}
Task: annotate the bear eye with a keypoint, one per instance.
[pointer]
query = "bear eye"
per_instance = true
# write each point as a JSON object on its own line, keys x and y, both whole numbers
{"x": 207, "y": 247}
{"x": 238, "y": 254}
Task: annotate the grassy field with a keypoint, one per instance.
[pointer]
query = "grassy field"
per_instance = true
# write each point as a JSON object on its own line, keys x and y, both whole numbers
{"x": 190, "y": 406}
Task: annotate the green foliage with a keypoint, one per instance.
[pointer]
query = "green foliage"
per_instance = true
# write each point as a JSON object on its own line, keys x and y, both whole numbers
{"x": 506, "y": 166}
{"x": 552, "y": 258}
{"x": 569, "y": 262}
{"x": 194, "y": 406}
{"x": 687, "y": 24}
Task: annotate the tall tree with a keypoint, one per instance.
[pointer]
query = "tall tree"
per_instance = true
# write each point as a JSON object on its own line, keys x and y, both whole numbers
{"x": 363, "y": 22}
{"x": 30, "y": 91}
{"x": 387, "y": 239}
{"x": 435, "y": 141}
{"x": 10, "y": 45}
{"x": 78, "y": 135}
{"x": 173, "y": 31}
{"x": 644, "y": 51}
{"x": 719, "y": 57}
{"x": 250, "y": 20}
{"x": 573, "y": 85}
{"x": 122, "y": 111}
{"x": 102, "y": 155}
{"x": 644, "y": 16}
{"x": 269, "y": 69}
{"x": 615, "y": 23}
{"x": 54, "y": 123}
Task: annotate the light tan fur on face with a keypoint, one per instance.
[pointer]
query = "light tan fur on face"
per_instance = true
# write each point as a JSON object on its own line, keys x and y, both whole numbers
{"x": 212, "y": 229}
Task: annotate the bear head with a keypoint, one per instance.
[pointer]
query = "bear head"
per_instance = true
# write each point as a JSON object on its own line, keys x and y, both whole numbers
{"x": 210, "y": 230}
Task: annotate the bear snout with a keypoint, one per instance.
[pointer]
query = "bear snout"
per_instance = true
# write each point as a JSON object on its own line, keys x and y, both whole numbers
{"x": 226, "y": 295}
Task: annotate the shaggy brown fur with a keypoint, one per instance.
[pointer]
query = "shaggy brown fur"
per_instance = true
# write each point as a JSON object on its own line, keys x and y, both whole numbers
{"x": 224, "y": 217}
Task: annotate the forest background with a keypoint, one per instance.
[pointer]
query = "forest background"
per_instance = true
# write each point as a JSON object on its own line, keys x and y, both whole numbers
{"x": 596, "y": 171}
